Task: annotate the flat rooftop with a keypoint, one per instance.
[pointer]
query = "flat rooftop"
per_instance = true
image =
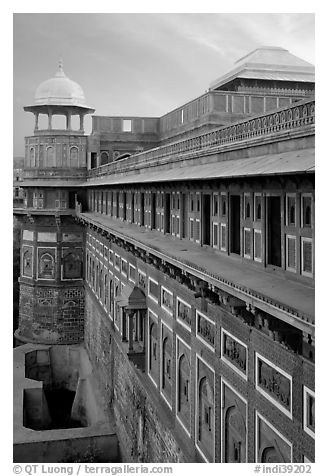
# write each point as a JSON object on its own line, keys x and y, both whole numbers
{"x": 287, "y": 299}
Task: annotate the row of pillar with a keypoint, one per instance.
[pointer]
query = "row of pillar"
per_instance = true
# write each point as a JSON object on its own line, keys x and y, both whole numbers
{"x": 68, "y": 121}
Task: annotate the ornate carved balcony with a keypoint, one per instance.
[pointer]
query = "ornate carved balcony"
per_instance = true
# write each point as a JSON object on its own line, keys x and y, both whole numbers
{"x": 279, "y": 121}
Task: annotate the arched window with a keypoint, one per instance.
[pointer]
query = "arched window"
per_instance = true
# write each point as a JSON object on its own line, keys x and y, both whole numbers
{"x": 292, "y": 215}
{"x": 308, "y": 218}
{"x": 111, "y": 297}
{"x": 104, "y": 158}
{"x": 205, "y": 414}
{"x": 166, "y": 363}
{"x": 106, "y": 290}
{"x": 27, "y": 263}
{"x": 74, "y": 157}
{"x": 258, "y": 212}
{"x": 72, "y": 266}
{"x": 101, "y": 284}
{"x": 93, "y": 274}
{"x": 50, "y": 157}
{"x": 184, "y": 389}
{"x": 248, "y": 210}
{"x": 47, "y": 266}
{"x": 224, "y": 207}
{"x": 153, "y": 347}
{"x": 32, "y": 157}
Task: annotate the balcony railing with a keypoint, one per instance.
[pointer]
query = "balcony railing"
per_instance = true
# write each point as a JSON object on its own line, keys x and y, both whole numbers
{"x": 284, "y": 119}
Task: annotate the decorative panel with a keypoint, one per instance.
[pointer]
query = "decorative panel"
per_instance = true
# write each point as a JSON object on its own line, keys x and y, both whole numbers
{"x": 271, "y": 445}
{"x": 205, "y": 329}
{"x": 47, "y": 263}
{"x": 27, "y": 261}
{"x": 205, "y": 410}
{"x": 234, "y": 352}
{"x": 234, "y": 427}
{"x": 274, "y": 384}
{"x": 72, "y": 263}
{"x": 183, "y": 313}
{"x": 47, "y": 237}
{"x": 72, "y": 237}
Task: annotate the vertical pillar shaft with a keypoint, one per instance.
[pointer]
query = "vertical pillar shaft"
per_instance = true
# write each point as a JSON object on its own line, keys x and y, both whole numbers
{"x": 36, "y": 127}
{"x": 69, "y": 121}
{"x": 50, "y": 120}
{"x": 130, "y": 331}
{"x": 81, "y": 122}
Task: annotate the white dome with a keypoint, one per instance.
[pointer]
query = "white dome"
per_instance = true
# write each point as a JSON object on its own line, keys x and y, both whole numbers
{"x": 59, "y": 90}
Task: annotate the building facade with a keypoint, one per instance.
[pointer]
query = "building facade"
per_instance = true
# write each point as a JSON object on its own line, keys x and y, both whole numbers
{"x": 180, "y": 252}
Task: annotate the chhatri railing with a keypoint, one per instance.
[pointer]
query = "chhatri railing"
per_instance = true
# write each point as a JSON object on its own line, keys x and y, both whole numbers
{"x": 284, "y": 119}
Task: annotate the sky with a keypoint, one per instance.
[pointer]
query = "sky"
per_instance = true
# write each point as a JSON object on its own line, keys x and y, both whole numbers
{"x": 141, "y": 64}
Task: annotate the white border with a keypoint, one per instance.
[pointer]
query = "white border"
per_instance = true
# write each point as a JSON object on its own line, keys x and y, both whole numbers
{"x": 197, "y": 220}
{"x": 230, "y": 364}
{"x": 255, "y": 219}
{"x": 177, "y": 359}
{"x": 247, "y": 195}
{"x": 122, "y": 272}
{"x": 309, "y": 240}
{"x": 115, "y": 265}
{"x": 37, "y": 259}
{"x": 199, "y": 336}
{"x": 177, "y": 314}
{"x": 290, "y": 195}
{"x": 198, "y": 357}
{"x": 288, "y": 268}
{"x": 258, "y": 232}
{"x": 248, "y": 256}
{"x": 306, "y": 391}
{"x": 161, "y": 365}
{"x": 163, "y": 288}
{"x": 155, "y": 318}
{"x": 149, "y": 295}
{"x": 62, "y": 263}
{"x": 243, "y": 399}
{"x": 22, "y": 263}
{"x": 288, "y": 413}
{"x": 258, "y": 417}
{"x": 223, "y": 229}
{"x": 135, "y": 269}
{"x": 215, "y": 224}
{"x": 306, "y": 195}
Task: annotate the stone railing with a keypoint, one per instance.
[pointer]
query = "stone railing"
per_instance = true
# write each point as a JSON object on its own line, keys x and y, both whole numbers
{"x": 34, "y": 172}
{"x": 284, "y": 119}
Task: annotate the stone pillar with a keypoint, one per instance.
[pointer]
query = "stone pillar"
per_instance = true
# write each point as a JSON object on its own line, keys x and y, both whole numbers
{"x": 50, "y": 120}
{"x": 81, "y": 122}
{"x": 130, "y": 315}
{"x": 36, "y": 127}
{"x": 69, "y": 121}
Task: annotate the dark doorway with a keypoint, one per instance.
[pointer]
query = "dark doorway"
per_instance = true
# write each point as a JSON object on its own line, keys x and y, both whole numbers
{"x": 124, "y": 205}
{"x": 142, "y": 209}
{"x": 117, "y": 204}
{"x": 153, "y": 211}
{"x": 206, "y": 218}
{"x": 93, "y": 164}
{"x": 71, "y": 199}
{"x": 184, "y": 214}
{"x": 235, "y": 224}
{"x": 167, "y": 213}
{"x": 274, "y": 231}
{"x": 132, "y": 207}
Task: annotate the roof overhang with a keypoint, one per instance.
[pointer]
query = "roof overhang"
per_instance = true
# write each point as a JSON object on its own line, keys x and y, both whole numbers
{"x": 131, "y": 298}
{"x": 292, "y": 162}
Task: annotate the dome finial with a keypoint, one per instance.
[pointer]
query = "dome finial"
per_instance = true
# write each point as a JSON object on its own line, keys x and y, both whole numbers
{"x": 60, "y": 71}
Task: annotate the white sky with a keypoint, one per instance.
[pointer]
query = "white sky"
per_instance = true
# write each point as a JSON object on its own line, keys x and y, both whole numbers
{"x": 141, "y": 64}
